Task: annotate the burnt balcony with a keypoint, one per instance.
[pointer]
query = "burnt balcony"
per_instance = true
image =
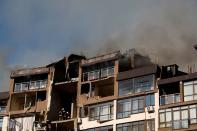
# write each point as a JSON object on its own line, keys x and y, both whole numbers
{"x": 170, "y": 99}
{"x": 97, "y": 74}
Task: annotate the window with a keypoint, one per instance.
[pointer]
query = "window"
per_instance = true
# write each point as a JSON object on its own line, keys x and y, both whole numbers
{"x": 24, "y": 86}
{"x": 130, "y": 106}
{"x": 101, "y": 112}
{"x": 43, "y": 84}
{"x": 150, "y": 125}
{"x": 97, "y": 71}
{"x": 143, "y": 83}
{"x": 94, "y": 113}
{"x": 125, "y": 87}
{"x": 17, "y": 87}
{"x": 136, "y": 85}
{"x": 1, "y": 123}
{"x": 124, "y": 108}
{"x": 150, "y": 100}
{"x": 192, "y": 112}
{"x": 178, "y": 117}
{"x": 190, "y": 90}
{"x": 105, "y": 112}
{"x": 134, "y": 126}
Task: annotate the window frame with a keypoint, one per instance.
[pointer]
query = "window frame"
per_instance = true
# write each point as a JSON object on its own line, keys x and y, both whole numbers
{"x": 133, "y": 88}
{"x": 181, "y": 119}
{"x": 193, "y": 94}
{"x": 98, "y": 109}
{"x": 120, "y": 114}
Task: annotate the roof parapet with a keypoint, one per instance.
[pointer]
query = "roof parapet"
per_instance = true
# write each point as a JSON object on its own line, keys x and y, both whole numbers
{"x": 29, "y": 71}
{"x": 101, "y": 58}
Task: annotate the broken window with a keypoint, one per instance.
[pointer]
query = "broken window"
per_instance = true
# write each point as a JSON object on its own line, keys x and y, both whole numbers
{"x": 17, "y": 87}
{"x": 41, "y": 96}
{"x": 21, "y": 87}
{"x": 99, "y": 89}
{"x": 84, "y": 111}
{"x": 169, "y": 93}
{"x": 30, "y": 100}
{"x": 24, "y": 86}
{"x": 97, "y": 71}
{"x": 85, "y": 88}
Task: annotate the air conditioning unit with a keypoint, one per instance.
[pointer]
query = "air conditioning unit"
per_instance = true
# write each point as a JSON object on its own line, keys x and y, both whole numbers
{"x": 150, "y": 109}
{"x": 79, "y": 121}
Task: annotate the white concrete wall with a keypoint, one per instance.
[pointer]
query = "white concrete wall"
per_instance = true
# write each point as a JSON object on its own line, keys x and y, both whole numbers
{"x": 26, "y": 122}
{"x": 5, "y": 123}
{"x": 86, "y": 124}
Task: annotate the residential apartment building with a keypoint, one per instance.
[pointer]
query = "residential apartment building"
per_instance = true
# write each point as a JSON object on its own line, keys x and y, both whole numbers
{"x": 110, "y": 92}
{"x": 178, "y": 100}
{"x": 4, "y": 96}
{"x": 29, "y": 95}
{"x": 118, "y": 92}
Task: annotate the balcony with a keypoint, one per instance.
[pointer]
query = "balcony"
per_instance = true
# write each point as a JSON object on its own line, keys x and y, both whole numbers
{"x": 2, "y": 109}
{"x": 170, "y": 99}
{"x": 96, "y": 74}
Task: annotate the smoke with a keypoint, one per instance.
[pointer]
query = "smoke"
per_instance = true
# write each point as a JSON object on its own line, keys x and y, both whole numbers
{"x": 166, "y": 31}
{"x": 41, "y": 31}
{"x": 4, "y": 75}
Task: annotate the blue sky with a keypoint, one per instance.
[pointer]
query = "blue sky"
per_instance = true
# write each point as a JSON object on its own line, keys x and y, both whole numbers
{"x": 37, "y": 32}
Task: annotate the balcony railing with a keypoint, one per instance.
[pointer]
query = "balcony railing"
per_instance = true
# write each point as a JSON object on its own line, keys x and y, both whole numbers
{"x": 96, "y": 74}
{"x": 2, "y": 109}
{"x": 170, "y": 99}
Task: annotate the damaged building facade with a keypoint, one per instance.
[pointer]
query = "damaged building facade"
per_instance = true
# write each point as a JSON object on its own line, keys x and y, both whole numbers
{"x": 110, "y": 92}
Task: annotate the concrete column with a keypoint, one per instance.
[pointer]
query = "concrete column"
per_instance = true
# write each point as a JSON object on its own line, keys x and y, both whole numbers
{"x": 157, "y": 111}
{"x": 90, "y": 90}
{"x": 72, "y": 110}
{"x": 181, "y": 91}
{"x": 115, "y": 109}
{"x": 5, "y": 124}
{"x": 115, "y": 77}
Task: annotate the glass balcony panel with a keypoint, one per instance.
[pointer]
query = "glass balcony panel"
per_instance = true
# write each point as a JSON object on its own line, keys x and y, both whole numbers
{"x": 169, "y": 99}
{"x": 193, "y": 121}
{"x": 184, "y": 123}
{"x": 104, "y": 72}
{"x": 2, "y": 109}
{"x": 110, "y": 71}
{"x": 85, "y": 76}
{"x": 176, "y": 124}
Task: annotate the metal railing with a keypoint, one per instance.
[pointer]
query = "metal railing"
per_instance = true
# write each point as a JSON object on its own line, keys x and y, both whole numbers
{"x": 170, "y": 99}
{"x": 96, "y": 74}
